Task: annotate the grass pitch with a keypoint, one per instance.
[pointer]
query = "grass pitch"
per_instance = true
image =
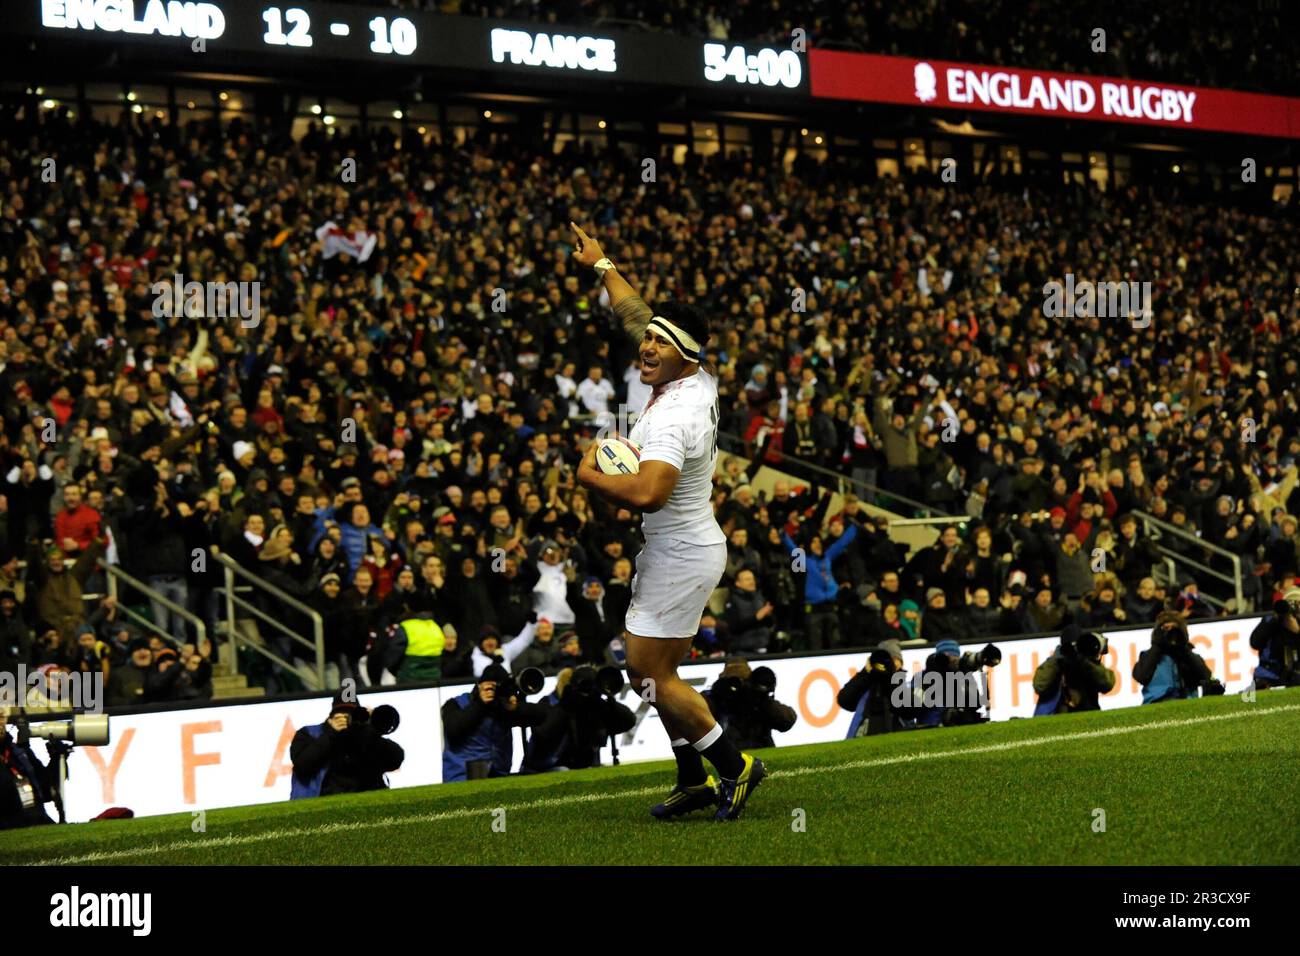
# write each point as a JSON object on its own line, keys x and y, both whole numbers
{"x": 1194, "y": 782}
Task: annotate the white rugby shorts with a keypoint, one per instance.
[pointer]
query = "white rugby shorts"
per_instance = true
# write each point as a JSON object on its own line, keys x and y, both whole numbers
{"x": 672, "y": 585}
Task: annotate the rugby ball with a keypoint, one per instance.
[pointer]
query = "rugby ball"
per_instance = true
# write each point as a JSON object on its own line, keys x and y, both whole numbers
{"x": 618, "y": 456}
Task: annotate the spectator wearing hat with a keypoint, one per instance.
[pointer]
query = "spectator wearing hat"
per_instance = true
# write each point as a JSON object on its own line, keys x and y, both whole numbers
{"x": 280, "y": 564}
{"x": 402, "y": 601}
{"x": 343, "y": 754}
{"x": 570, "y": 652}
{"x": 591, "y": 618}
{"x": 327, "y": 602}
{"x": 90, "y": 655}
{"x": 491, "y": 650}
{"x": 942, "y": 623}
{"x": 1046, "y": 613}
{"x": 126, "y": 684}
{"x": 1189, "y": 603}
{"x": 327, "y": 559}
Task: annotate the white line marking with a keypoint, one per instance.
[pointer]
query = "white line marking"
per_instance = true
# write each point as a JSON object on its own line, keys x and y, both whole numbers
{"x": 267, "y": 836}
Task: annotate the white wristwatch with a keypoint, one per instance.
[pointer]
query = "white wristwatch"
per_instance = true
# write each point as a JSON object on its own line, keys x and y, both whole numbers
{"x": 603, "y": 265}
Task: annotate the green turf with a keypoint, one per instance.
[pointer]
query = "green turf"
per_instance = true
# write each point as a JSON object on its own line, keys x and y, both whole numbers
{"x": 1194, "y": 782}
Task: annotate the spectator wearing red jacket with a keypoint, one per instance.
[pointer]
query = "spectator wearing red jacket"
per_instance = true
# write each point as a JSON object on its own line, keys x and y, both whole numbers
{"x": 77, "y": 524}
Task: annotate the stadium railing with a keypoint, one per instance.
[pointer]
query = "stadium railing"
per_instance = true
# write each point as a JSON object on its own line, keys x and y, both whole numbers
{"x": 1174, "y": 558}
{"x": 233, "y": 594}
{"x": 115, "y": 574}
{"x": 738, "y": 446}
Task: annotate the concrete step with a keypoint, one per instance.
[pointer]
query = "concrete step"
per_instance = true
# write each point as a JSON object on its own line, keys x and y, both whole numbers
{"x": 232, "y": 693}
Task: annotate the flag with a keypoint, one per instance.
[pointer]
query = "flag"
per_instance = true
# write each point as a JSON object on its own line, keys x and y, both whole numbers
{"x": 359, "y": 245}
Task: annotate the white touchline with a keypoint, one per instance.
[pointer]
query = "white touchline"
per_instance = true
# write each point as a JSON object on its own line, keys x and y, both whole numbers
{"x": 268, "y": 836}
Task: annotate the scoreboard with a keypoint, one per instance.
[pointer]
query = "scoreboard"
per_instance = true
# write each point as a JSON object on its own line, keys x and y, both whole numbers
{"x": 296, "y": 34}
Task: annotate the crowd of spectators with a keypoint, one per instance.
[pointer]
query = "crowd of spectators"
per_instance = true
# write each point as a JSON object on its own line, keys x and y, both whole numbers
{"x": 398, "y": 437}
{"x": 1246, "y": 46}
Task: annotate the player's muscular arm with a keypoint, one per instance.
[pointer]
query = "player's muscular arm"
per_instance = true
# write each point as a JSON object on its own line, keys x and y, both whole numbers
{"x": 627, "y": 305}
{"x": 648, "y": 490}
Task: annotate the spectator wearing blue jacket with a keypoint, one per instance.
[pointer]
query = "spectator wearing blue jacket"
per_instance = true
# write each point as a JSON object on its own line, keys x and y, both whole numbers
{"x": 821, "y": 618}
{"x": 356, "y": 536}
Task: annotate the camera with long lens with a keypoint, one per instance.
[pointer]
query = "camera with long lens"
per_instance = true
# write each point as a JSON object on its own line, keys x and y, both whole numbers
{"x": 88, "y": 730}
{"x": 60, "y": 736}
{"x": 589, "y": 685}
{"x": 1172, "y": 636}
{"x": 383, "y": 720}
{"x": 736, "y": 693}
{"x": 1085, "y": 645}
{"x": 988, "y": 656}
{"x": 527, "y": 681}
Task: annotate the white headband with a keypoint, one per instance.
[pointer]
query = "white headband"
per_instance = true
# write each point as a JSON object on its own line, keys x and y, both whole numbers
{"x": 681, "y": 340}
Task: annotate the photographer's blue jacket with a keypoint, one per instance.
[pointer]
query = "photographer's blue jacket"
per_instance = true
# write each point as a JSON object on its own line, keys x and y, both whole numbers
{"x": 491, "y": 740}
{"x": 301, "y": 788}
{"x": 1166, "y": 683}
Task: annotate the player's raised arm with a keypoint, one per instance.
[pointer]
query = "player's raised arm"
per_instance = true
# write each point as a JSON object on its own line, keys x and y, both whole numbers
{"x": 627, "y": 304}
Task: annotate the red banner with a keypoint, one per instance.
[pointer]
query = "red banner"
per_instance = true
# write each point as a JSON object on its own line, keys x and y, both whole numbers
{"x": 941, "y": 85}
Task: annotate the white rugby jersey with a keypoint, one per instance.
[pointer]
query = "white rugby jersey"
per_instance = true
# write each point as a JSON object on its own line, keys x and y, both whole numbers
{"x": 679, "y": 425}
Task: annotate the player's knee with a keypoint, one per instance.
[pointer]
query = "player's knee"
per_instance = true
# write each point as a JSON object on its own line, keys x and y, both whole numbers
{"x": 638, "y": 677}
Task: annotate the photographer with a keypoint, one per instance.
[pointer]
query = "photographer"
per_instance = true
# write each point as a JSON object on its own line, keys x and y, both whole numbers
{"x": 348, "y": 753}
{"x": 478, "y": 727}
{"x": 949, "y": 659}
{"x": 1073, "y": 678}
{"x": 869, "y": 695}
{"x": 581, "y": 715}
{"x": 743, "y": 704}
{"x": 26, "y": 785}
{"x": 1277, "y": 639}
{"x": 1170, "y": 669}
